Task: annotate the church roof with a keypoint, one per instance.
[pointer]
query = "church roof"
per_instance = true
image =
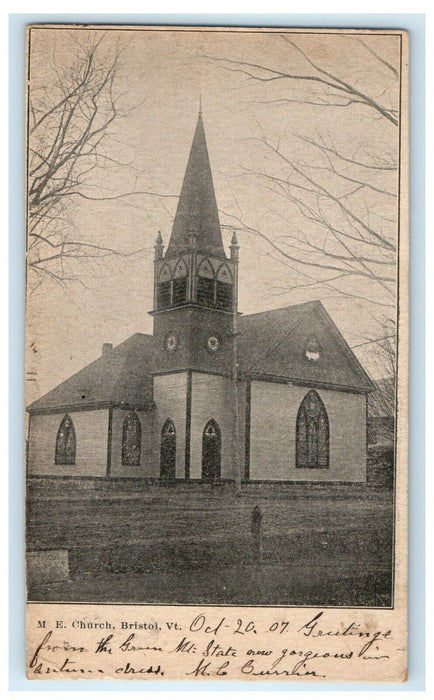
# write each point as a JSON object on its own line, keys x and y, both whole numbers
{"x": 197, "y": 208}
{"x": 270, "y": 344}
{"x": 273, "y": 343}
{"x": 121, "y": 375}
{"x": 260, "y": 331}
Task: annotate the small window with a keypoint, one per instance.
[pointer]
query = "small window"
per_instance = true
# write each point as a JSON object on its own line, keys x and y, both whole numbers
{"x": 210, "y": 429}
{"x": 313, "y": 350}
{"x": 168, "y": 428}
{"x": 65, "y": 442}
{"x": 131, "y": 440}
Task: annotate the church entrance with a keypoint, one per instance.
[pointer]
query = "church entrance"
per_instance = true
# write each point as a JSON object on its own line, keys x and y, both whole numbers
{"x": 211, "y": 452}
{"x": 168, "y": 451}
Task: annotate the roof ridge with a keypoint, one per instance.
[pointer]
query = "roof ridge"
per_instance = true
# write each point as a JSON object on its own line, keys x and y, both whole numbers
{"x": 281, "y": 308}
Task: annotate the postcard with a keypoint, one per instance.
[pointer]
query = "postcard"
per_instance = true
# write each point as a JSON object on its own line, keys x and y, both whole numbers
{"x": 216, "y": 353}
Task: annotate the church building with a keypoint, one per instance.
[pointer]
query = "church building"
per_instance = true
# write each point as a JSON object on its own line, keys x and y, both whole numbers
{"x": 212, "y": 394}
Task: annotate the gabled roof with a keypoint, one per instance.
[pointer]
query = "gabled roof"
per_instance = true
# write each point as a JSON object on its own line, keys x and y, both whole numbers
{"x": 119, "y": 376}
{"x": 270, "y": 344}
{"x": 273, "y": 343}
{"x": 197, "y": 208}
{"x": 259, "y": 332}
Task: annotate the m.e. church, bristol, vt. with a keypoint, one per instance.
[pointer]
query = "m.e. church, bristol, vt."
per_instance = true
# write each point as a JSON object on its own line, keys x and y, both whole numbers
{"x": 212, "y": 394}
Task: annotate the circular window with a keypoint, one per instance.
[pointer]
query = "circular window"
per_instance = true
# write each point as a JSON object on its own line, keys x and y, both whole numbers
{"x": 171, "y": 342}
{"x": 213, "y": 343}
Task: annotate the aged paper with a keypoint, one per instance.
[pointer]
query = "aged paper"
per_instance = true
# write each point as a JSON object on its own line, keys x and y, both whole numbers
{"x": 217, "y": 345}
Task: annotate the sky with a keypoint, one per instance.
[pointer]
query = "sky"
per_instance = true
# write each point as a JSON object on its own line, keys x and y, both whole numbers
{"x": 161, "y": 79}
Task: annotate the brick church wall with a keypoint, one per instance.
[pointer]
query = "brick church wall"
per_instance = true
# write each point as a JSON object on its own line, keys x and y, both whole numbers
{"x": 91, "y": 430}
{"x": 274, "y": 410}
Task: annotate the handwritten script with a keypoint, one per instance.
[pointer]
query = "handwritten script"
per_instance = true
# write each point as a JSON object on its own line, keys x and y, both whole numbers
{"x": 211, "y": 644}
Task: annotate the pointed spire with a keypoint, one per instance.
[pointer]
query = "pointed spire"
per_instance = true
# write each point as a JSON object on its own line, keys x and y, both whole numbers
{"x": 197, "y": 214}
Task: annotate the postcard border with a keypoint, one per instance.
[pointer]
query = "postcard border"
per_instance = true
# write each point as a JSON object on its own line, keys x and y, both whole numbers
{"x": 412, "y": 23}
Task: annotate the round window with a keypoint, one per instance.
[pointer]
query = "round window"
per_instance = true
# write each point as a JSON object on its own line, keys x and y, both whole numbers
{"x": 212, "y": 343}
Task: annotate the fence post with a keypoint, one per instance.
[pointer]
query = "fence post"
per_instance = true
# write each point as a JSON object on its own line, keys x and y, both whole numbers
{"x": 257, "y": 534}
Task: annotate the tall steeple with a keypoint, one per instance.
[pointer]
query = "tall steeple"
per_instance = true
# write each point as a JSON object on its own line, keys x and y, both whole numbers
{"x": 197, "y": 216}
{"x": 195, "y": 282}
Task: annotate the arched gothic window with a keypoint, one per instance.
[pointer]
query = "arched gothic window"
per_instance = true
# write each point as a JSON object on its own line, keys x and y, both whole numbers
{"x": 131, "y": 440}
{"x": 312, "y": 433}
{"x": 65, "y": 442}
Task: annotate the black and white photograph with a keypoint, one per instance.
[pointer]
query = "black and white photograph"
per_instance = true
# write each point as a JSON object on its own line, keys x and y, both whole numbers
{"x": 214, "y": 244}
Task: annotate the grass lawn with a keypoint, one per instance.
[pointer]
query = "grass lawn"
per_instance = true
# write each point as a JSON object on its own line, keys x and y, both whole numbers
{"x": 194, "y": 546}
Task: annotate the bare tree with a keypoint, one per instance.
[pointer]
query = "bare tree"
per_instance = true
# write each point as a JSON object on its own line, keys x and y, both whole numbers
{"x": 333, "y": 203}
{"x": 334, "y": 91}
{"x": 70, "y": 127}
{"x": 346, "y": 196}
{"x": 383, "y": 359}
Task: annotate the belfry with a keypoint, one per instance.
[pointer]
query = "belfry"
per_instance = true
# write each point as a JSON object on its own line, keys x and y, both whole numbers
{"x": 212, "y": 395}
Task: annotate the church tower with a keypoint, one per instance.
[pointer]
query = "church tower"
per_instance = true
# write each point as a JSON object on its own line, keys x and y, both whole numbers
{"x": 195, "y": 311}
{"x": 195, "y": 282}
